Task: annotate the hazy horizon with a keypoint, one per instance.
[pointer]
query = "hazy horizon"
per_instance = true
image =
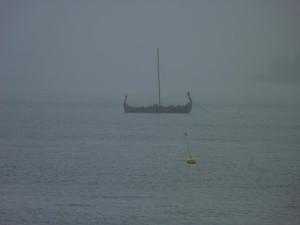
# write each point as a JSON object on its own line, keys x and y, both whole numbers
{"x": 222, "y": 51}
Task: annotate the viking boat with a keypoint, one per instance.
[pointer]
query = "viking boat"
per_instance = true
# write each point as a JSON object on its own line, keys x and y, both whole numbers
{"x": 158, "y": 108}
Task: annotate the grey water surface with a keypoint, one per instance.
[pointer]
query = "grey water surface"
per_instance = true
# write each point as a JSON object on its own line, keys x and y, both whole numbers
{"x": 90, "y": 163}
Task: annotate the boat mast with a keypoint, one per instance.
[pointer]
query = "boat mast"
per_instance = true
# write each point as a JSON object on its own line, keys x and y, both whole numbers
{"x": 158, "y": 75}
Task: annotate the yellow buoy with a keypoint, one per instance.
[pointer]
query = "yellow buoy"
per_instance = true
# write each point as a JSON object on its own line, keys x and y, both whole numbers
{"x": 191, "y": 161}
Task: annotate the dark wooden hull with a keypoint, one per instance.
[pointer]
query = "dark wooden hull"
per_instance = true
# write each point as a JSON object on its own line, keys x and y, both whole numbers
{"x": 159, "y": 109}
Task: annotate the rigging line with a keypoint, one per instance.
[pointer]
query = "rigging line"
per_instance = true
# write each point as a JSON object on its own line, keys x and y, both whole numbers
{"x": 204, "y": 109}
{"x": 187, "y": 144}
{"x": 158, "y": 77}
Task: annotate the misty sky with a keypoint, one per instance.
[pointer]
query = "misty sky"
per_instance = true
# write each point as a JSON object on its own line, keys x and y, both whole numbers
{"x": 102, "y": 49}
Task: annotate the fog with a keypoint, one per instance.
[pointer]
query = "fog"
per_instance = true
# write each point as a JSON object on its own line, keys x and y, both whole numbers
{"x": 220, "y": 51}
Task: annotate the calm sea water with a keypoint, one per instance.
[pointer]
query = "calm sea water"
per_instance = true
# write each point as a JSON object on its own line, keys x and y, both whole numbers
{"x": 89, "y": 163}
